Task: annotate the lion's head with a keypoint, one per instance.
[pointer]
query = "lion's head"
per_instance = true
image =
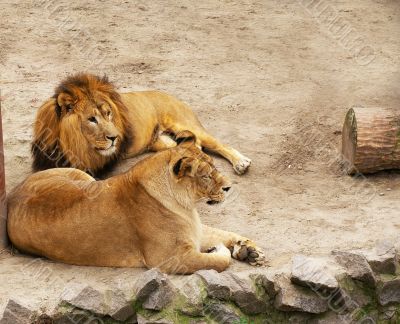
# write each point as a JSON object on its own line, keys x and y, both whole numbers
{"x": 83, "y": 126}
{"x": 194, "y": 170}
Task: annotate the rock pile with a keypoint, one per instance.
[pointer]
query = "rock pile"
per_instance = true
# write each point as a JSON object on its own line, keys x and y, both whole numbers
{"x": 345, "y": 287}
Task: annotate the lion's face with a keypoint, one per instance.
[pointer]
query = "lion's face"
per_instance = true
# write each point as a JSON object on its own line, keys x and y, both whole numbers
{"x": 97, "y": 123}
{"x": 91, "y": 130}
{"x": 84, "y": 125}
{"x": 196, "y": 171}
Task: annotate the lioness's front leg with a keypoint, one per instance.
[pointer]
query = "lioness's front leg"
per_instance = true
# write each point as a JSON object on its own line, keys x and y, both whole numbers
{"x": 242, "y": 248}
{"x": 188, "y": 261}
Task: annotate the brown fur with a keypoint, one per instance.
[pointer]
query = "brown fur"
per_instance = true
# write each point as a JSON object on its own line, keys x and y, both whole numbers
{"x": 58, "y": 137}
{"x": 145, "y": 217}
{"x": 65, "y": 136}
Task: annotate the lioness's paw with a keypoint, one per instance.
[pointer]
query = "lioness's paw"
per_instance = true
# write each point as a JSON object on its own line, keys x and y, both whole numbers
{"x": 247, "y": 251}
{"x": 242, "y": 165}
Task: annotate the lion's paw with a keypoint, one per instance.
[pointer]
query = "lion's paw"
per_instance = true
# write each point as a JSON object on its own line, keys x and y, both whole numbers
{"x": 248, "y": 251}
{"x": 242, "y": 165}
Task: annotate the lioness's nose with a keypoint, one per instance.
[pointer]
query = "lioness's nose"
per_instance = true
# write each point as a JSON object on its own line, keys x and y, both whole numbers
{"x": 111, "y": 138}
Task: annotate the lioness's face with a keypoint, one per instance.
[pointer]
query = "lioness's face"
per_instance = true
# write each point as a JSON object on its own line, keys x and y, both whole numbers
{"x": 196, "y": 171}
{"x": 97, "y": 124}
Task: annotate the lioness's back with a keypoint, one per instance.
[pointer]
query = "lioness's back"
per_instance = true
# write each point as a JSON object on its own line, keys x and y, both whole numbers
{"x": 47, "y": 187}
{"x": 66, "y": 215}
{"x": 39, "y": 199}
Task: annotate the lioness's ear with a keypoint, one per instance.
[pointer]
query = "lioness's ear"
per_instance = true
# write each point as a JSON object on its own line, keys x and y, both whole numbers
{"x": 66, "y": 101}
{"x": 183, "y": 166}
{"x": 185, "y": 138}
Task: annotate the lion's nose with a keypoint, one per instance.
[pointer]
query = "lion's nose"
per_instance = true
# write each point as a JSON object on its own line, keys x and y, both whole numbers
{"x": 111, "y": 138}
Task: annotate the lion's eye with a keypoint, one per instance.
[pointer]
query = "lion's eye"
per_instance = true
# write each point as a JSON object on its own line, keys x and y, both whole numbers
{"x": 92, "y": 119}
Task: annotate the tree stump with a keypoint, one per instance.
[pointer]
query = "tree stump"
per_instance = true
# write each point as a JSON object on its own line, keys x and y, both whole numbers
{"x": 371, "y": 140}
{"x": 3, "y": 203}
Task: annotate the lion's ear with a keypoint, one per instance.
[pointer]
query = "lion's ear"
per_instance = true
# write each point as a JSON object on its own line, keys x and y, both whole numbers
{"x": 66, "y": 101}
{"x": 184, "y": 166}
{"x": 185, "y": 138}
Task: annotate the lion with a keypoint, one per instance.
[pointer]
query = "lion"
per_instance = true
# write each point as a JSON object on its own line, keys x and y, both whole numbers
{"x": 145, "y": 217}
{"x": 88, "y": 125}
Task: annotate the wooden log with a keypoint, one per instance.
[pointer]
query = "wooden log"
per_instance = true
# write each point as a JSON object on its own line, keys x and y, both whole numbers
{"x": 3, "y": 203}
{"x": 371, "y": 140}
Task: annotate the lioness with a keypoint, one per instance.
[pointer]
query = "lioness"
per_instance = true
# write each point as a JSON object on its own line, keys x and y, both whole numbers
{"x": 89, "y": 125}
{"x": 144, "y": 217}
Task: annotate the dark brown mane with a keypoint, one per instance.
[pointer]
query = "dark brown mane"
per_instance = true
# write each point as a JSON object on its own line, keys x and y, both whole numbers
{"x": 86, "y": 84}
{"x": 46, "y": 149}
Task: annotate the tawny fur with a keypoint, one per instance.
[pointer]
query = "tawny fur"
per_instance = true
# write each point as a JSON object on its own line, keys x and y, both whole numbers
{"x": 66, "y": 136}
{"x": 144, "y": 217}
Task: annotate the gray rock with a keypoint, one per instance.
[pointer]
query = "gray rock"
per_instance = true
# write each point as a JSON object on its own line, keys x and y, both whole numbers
{"x": 243, "y": 295}
{"x": 227, "y": 286}
{"x": 162, "y": 296}
{"x": 294, "y": 298}
{"x": 382, "y": 258}
{"x": 15, "y": 313}
{"x": 193, "y": 295}
{"x": 119, "y": 308}
{"x": 85, "y": 297}
{"x": 299, "y": 318}
{"x": 389, "y": 292}
{"x": 356, "y": 266}
{"x": 155, "y": 320}
{"x": 221, "y": 313}
{"x": 147, "y": 283}
{"x": 352, "y": 297}
{"x": 216, "y": 285}
{"x": 330, "y": 318}
{"x": 389, "y": 313}
{"x": 153, "y": 290}
{"x": 339, "y": 301}
{"x": 110, "y": 302}
{"x": 267, "y": 281}
{"x": 312, "y": 273}
{"x": 75, "y": 315}
{"x": 43, "y": 319}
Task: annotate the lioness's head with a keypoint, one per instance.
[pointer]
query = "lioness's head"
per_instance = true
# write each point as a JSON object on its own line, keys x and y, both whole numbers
{"x": 83, "y": 126}
{"x": 195, "y": 171}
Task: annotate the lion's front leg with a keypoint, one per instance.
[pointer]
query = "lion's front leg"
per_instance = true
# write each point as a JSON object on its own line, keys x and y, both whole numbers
{"x": 239, "y": 162}
{"x": 242, "y": 248}
{"x": 162, "y": 142}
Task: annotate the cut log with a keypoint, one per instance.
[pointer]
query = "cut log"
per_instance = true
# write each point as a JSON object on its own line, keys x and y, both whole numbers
{"x": 371, "y": 140}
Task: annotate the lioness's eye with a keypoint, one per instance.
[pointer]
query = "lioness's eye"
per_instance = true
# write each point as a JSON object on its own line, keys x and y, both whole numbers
{"x": 92, "y": 119}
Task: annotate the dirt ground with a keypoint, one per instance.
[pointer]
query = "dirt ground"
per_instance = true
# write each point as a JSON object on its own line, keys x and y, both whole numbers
{"x": 273, "y": 79}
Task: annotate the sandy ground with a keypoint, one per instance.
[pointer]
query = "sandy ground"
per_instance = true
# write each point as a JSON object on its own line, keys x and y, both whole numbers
{"x": 273, "y": 79}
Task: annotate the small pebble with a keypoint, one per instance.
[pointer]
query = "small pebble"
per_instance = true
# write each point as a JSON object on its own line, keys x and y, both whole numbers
{"x": 381, "y": 194}
{"x": 389, "y": 189}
